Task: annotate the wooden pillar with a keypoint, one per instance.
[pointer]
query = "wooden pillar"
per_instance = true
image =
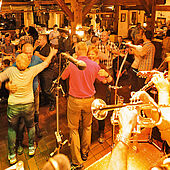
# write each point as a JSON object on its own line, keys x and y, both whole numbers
{"x": 116, "y": 20}
{"x": 151, "y": 18}
{"x": 153, "y": 14}
{"x": 77, "y": 10}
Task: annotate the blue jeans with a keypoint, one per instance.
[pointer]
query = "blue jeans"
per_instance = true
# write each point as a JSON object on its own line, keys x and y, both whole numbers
{"x": 14, "y": 113}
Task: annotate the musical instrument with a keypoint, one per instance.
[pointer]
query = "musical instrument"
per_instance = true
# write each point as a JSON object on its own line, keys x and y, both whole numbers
{"x": 100, "y": 111}
{"x": 148, "y": 75}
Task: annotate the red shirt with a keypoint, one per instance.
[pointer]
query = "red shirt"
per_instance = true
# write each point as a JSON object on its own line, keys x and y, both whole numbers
{"x": 81, "y": 82}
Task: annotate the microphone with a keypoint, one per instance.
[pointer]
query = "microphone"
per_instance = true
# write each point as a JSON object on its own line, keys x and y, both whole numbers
{"x": 79, "y": 63}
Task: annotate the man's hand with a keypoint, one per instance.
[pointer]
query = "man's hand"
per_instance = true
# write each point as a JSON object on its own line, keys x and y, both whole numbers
{"x": 36, "y": 53}
{"x": 103, "y": 73}
{"x": 160, "y": 82}
{"x": 53, "y": 51}
{"x": 128, "y": 120}
{"x": 11, "y": 87}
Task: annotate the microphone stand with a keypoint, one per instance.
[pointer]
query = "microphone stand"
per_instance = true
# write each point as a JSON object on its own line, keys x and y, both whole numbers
{"x": 57, "y": 87}
{"x": 117, "y": 80}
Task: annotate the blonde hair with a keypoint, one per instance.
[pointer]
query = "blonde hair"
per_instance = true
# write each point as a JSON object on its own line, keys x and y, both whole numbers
{"x": 22, "y": 61}
{"x": 82, "y": 46}
{"x": 92, "y": 48}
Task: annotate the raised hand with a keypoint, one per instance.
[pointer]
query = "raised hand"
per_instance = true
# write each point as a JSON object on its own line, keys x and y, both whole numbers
{"x": 160, "y": 82}
{"x": 103, "y": 73}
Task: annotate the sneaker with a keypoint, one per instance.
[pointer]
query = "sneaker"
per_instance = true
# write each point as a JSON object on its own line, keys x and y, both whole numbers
{"x": 84, "y": 156}
{"x": 32, "y": 150}
{"x": 20, "y": 150}
{"x": 12, "y": 159}
{"x": 52, "y": 107}
{"x": 101, "y": 138}
{"x": 76, "y": 167}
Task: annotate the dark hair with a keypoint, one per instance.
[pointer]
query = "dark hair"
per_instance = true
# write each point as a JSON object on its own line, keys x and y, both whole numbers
{"x": 55, "y": 26}
{"x": 148, "y": 35}
{"x": 6, "y": 62}
{"x": 168, "y": 33}
{"x": 94, "y": 39}
{"x": 6, "y": 35}
{"x": 138, "y": 23}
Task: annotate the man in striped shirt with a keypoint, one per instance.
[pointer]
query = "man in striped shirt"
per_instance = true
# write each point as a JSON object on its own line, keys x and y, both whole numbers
{"x": 146, "y": 55}
{"x": 106, "y": 47}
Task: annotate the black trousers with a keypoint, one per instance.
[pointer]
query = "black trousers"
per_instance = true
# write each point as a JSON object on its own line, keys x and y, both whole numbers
{"x": 46, "y": 80}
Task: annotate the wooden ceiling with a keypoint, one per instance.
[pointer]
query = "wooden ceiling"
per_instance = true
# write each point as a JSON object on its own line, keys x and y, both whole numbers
{"x": 64, "y": 5}
{"x": 85, "y": 2}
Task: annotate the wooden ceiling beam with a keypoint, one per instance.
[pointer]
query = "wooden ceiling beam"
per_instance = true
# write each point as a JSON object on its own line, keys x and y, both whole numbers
{"x": 17, "y": 3}
{"x": 66, "y": 10}
{"x": 163, "y": 8}
{"x": 88, "y": 7}
{"x": 137, "y": 7}
{"x": 22, "y": 11}
{"x": 146, "y": 6}
{"x": 129, "y": 2}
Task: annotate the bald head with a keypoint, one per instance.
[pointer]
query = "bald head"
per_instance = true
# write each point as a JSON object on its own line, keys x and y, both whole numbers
{"x": 28, "y": 49}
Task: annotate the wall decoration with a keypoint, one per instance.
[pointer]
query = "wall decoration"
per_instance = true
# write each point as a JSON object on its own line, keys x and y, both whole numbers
{"x": 123, "y": 17}
{"x": 161, "y": 20}
{"x": 134, "y": 18}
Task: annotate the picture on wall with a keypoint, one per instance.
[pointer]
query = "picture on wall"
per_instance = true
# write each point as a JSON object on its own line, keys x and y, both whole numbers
{"x": 134, "y": 18}
{"x": 123, "y": 17}
{"x": 161, "y": 20}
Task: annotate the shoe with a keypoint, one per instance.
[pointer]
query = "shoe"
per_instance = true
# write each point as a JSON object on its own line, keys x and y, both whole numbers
{"x": 52, "y": 108}
{"x": 76, "y": 167}
{"x": 20, "y": 150}
{"x": 101, "y": 138}
{"x": 12, "y": 159}
{"x": 38, "y": 131}
{"x": 32, "y": 150}
{"x": 84, "y": 156}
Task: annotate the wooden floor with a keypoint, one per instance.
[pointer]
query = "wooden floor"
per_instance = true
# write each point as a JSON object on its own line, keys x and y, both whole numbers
{"x": 143, "y": 158}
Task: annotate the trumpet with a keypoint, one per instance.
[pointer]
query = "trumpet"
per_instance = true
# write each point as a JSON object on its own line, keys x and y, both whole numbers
{"x": 100, "y": 111}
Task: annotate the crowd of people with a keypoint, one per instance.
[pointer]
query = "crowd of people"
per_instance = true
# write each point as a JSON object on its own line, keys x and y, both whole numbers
{"x": 30, "y": 67}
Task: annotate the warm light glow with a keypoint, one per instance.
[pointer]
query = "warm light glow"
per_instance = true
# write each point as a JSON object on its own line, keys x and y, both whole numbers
{"x": 78, "y": 27}
{"x": 0, "y": 4}
{"x": 79, "y": 30}
{"x": 80, "y": 33}
{"x": 144, "y": 24}
{"x": 110, "y": 7}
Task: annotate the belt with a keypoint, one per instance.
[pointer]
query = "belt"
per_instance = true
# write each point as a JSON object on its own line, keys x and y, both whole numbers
{"x": 82, "y": 97}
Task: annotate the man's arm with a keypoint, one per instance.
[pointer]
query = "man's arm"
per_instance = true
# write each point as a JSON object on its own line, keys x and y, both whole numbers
{"x": 107, "y": 77}
{"x": 39, "y": 55}
{"x": 139, "y": 53}
{"x": 119, "y": 154}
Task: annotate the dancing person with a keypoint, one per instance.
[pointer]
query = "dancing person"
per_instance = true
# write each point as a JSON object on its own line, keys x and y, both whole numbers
{"x": 28, "y": 49}
{"x": 48, "y": 74}
{"x": 20, "y": 103}
{"x": 81, "y": 96}
{"x": 93, "y": 55}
